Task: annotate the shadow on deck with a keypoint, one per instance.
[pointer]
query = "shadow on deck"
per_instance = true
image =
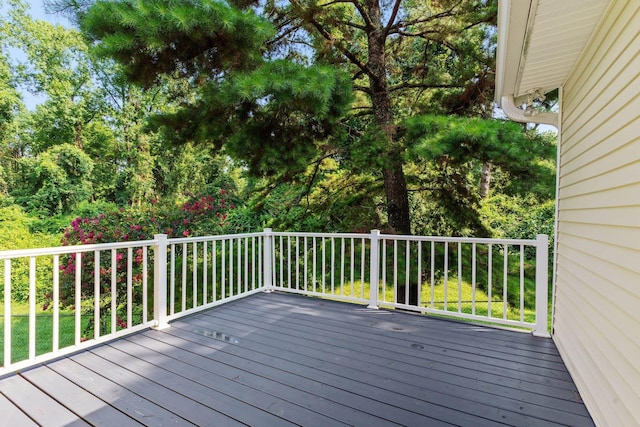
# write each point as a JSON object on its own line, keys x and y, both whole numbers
{"x": 274, "y": 359}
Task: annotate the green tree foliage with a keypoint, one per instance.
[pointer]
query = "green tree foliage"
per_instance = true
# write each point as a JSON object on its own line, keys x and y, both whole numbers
{"x": 326, "y": 198}
{"x": 274, "y": 115}
{"x": 16, "y": 232}
{"x": 452, "y": 151}
{"x": 405, "y": 57}
{"x": 57, "y": 180}
{"x": 280, "y": 116}
{"x": 192, "y": 39}
{"x": 10, "y": 100}
{"x": 58, "y": 67}
{"x": 10, "y": 108}
{"x": 315, "y": 116}
{"x": 87, "y": 103}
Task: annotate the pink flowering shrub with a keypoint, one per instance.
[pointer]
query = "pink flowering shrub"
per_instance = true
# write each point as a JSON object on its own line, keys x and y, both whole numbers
{"x": 201, "y": 215}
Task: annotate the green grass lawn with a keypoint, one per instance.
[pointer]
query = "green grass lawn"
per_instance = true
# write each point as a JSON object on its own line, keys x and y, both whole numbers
{"x": 481, "y": 306}
{"x": 44, "y": 332}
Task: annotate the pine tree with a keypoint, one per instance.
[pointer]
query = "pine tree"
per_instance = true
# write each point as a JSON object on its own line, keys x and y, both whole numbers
{"x": 273, "y": 114}
{"x": 253, "y": 82}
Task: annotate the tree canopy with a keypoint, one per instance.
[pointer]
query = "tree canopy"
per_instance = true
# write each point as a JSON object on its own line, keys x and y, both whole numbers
{"x": 315, "y": 115}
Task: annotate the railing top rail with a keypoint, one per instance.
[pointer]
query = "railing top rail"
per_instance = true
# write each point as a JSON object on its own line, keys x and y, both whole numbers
{"x": 481, "y": 240}
{"x": 526, "y": 242}
{"x": 212, "y": 238}
{"x": 336, "y": 235}
{"x": 62, "y": 250}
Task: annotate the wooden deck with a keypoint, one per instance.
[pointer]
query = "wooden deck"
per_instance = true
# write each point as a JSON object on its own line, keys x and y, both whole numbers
{"x": 276, "y": 360}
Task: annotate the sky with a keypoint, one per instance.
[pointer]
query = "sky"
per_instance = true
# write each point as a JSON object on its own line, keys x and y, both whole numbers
{"x": 37, "y": 11}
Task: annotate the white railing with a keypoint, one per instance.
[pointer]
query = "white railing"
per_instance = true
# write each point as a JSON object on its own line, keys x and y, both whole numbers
{"x": 322, "y": 264}
{"x": 94, "y": 293}
{"x": 503, "y": 281}
{"x": 203, "y": 272}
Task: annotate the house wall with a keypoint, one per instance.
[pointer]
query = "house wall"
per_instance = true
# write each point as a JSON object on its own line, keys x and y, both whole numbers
{"x": 597, "y": 293}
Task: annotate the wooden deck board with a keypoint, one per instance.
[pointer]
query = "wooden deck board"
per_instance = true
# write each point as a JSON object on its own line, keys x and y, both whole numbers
{"x": 380, "y": 390}
{"x": 418, "y": 384}
{"x": 396, "y": 340}
{"x": 13, "y": 416}
{"x": 295, "y": 396}
{"x": 341, "y": 390}
{"x": 472, "y": 343}
{"x": 408, "y": 367}
{"x": 136, "y": 406}
{"x": 155, "y": 386}
{"x": 85, "y": 405}
{"x": 39, "y": 406}
{"x": 404, "y": 347}
{"x": 254, "y": 406}
{"x": 274, "y": 359}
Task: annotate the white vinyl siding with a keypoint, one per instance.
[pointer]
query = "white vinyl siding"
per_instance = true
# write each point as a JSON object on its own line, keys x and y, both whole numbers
{"x": 597, "y": 294}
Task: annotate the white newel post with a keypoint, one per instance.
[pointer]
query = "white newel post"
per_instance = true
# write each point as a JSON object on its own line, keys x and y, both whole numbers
{"x": 542, "y": 285}
{"x": 7, "y": 313}
{"x": 160, "y": 282}
{"x": 268, "y": 260}
{"x": 374, "y": 275}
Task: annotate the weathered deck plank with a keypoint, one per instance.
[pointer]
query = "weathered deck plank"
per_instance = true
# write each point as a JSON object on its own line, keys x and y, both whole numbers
{"x": 418, "y": 384}
{"x": 84, "y": 405}
{"x": 275, "y": 359}
{"x": 11, "y": 415}
{"x": 137, "y": 407}
{"x": 39, "y": 406}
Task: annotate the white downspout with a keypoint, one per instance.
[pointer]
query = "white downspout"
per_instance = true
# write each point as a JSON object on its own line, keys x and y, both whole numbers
{"x": 557, "y": 213}
{"x": 518, "y": 114}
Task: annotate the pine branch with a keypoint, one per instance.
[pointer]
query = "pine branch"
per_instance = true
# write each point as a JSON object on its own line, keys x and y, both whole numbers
{"x": 331, "y": 3}
{"x": 402, "y": 24}
{"x": 363, "y": 12}
{"x": 416, "y": 190}
{"x": 285, "y": 33}
{"x": 421, "y": 34}
{"x": 393, "y": 16}
{"x": 316, "y": 169}
{"x": 352, "y": 25}
{"x": 366, "y": 111}
{"x": 341, "y": 48}
{"x": 407, "y": 85}
{"x": 364, "y": 89}
{"x": 361, "y": 9}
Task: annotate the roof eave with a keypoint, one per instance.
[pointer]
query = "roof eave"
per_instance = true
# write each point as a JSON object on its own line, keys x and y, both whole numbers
{"x": 514, "y": 22}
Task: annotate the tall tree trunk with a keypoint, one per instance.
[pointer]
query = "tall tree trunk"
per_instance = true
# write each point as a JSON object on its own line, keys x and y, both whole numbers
{"x": 485, "y": 180}
{"x": 395, "y": 187}
{"x": 78, "y": 134}
{"x": 395, "y": 183}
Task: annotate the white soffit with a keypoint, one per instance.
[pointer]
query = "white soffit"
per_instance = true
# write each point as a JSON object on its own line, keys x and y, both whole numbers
{"x": 539, "y": 42}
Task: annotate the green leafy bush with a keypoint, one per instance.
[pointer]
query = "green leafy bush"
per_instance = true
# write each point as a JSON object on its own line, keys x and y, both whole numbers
{"x": 16, "y": 233}
{"x": 199, "y": 215}
{"x": 56, "y": 181}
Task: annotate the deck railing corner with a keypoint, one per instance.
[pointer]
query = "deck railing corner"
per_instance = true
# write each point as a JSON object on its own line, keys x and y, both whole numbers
{"x": 542, "y": 286}
{"x": 160, "y": 282}
{"x": 374, "y": 280}
{"x": 268, "y": 260}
